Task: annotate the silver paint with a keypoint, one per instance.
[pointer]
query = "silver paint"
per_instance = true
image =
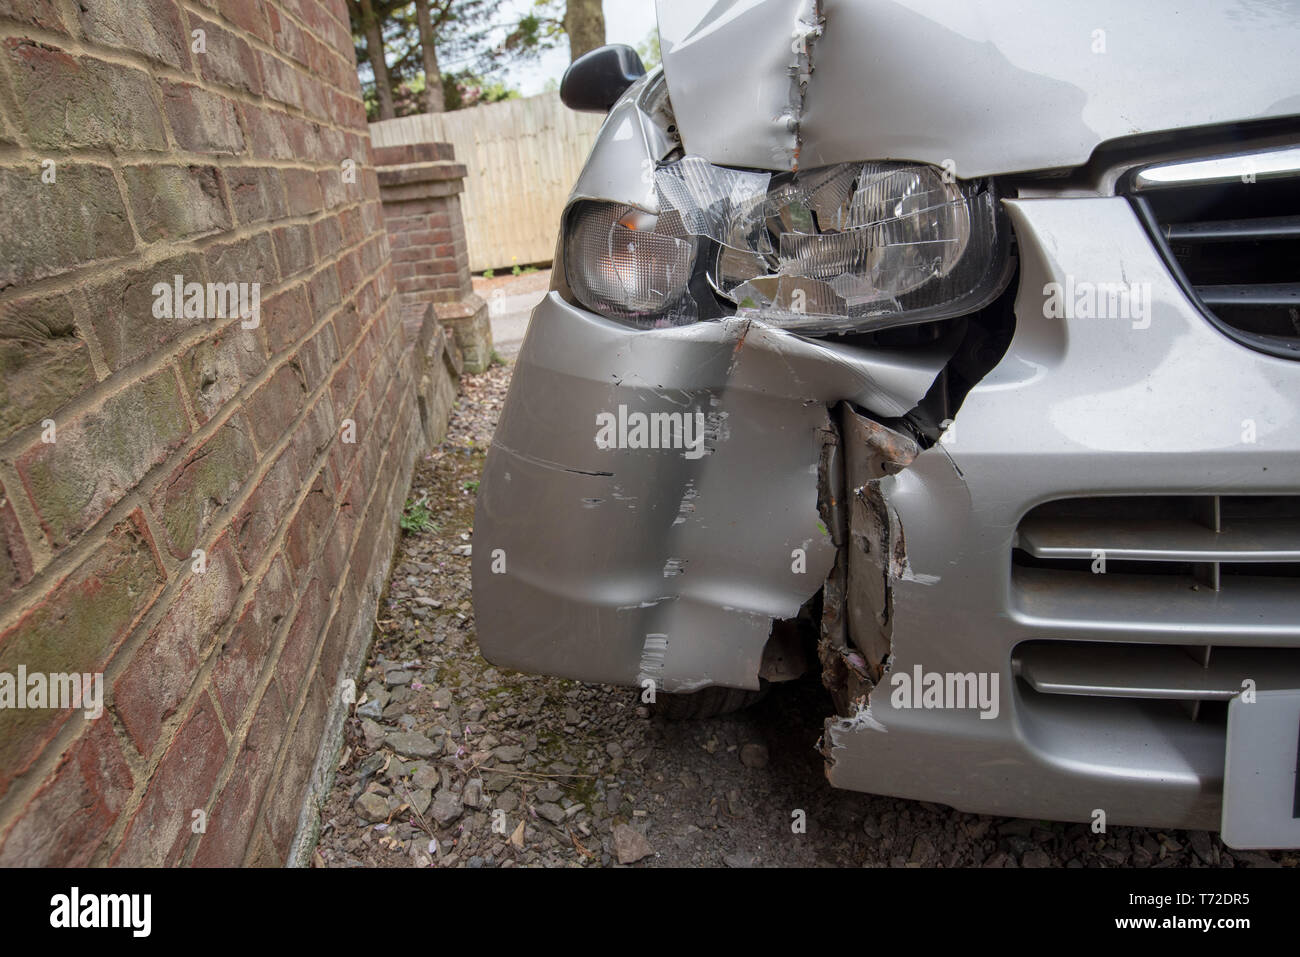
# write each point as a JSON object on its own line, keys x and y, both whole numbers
{"x": 601, "y": 576}
{"x": 1076, "y": 407}
{"x": 992, "y": 86}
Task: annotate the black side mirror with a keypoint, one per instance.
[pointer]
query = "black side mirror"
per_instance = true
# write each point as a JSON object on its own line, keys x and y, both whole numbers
{"x": 594, "y": 82}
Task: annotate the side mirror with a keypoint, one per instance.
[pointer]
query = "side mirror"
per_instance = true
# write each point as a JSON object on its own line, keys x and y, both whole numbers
{"x": 594, "y": 82}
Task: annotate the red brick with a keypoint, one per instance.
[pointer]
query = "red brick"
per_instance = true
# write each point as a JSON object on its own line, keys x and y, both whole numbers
{"x": 286, "y": 37}
{"x": 328, "y": 236}
{"x": 163, "y": 668}
{"x": 44, "y": 361}
{"x": 148, "y": 27}
{"x": 228, "y": 60}
{"x": 15, "y": 559}
{"x": 190, "y": 499}
{"x": 75, "y": 629}
{"x": 318, "y": 356}
{"x": 335, "y": 190}
{"x": 315, "y": 433}
{"x": 248, "y": 15}
{"x": 276, "y": 403}
{"x": 286, "y": 797}
{"x": 301, "y": 642}
{"x": 311, "y": 523}
{"x": 176, "y": 202}
{"x": 217, "y": 368}
{"x": 279, "y": 79}
{"x": 347, "y": 325}
{"x": 267, "y": 131}
{"x": 244, "y": 656}
{"x": 68, "y": 101}
{"x": 121, "y": 310}
{"x": 184, "y": 781}
{"x": 39, "y": 13}
{"x": 293, "y": 247}
{"x": 250, "y": 260}
{"x": 255, "y": 193}
{"x": 72, "y": 813}
{"x": 323, "y": 291}
{"x": 270, "y": 500}
{"x": 338, "y": 544}
{"x": 201, "y": 121}
{"x": 303, "y": 188}
{"x": 78, "y": 219}
{"x": 233, "y": 820}
{"x": 99, "y": 457}
{"x": 286, "y": 318}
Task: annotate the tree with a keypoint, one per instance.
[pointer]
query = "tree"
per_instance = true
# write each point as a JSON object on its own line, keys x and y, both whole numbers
{"x": 434, "y": 102}
{"x": 409, "y": 45}
{"x": 371, "y": 28}
{"x": 582, "y": 21}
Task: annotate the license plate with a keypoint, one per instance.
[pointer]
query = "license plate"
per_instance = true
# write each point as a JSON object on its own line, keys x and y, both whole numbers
{"x": 1261, "y": 787}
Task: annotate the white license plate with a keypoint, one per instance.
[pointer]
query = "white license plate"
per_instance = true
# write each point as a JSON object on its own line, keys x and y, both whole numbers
{"x": 1261, "y": 800}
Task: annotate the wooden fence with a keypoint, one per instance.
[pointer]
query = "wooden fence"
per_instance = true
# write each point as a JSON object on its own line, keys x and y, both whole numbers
{"x": 522, "y": 156}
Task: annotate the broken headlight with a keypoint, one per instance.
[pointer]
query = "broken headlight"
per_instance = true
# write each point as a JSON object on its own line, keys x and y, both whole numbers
{"x": 853, "y": 247}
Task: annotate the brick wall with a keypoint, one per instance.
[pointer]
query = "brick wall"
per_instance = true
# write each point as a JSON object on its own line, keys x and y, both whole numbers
{"x": 420, "y": 186}
{"x": 211, "y": 524}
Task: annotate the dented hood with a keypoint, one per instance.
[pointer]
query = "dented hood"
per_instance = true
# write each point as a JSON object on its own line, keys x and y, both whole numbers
{"x": 981, "y": 86}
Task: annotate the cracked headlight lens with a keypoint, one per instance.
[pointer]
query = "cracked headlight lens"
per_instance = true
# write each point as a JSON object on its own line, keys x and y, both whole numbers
{"x": 852, "y": 247}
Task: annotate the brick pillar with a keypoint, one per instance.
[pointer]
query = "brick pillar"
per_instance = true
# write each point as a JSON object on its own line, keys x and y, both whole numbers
{"x": 419, "y": 186}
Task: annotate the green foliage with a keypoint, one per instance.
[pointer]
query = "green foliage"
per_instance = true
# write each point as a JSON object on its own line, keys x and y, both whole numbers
{"x": 468, "y": 42}
{"x": 648, "y": 50}
{"x": 416, "y": 517}
{"x": 488, "y": 273}
{"x": 463, "y": 90}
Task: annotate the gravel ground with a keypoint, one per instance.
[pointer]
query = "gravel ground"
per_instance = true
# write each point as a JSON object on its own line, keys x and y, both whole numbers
{"x": 452, "y": 762}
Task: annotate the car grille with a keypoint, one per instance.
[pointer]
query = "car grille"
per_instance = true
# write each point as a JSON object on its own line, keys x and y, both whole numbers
{"x": 1206, "y": 540}
{"x": 1193, "y": 675}
{"x": 1234, "y": 245}
{"x": 1190, "y": 594}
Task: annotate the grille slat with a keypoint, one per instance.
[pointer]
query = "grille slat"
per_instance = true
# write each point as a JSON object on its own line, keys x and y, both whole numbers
{"x": 1164, "y": 672}
{"x": 1210, "y": 569}
{"x": 1233, "y": 243}
{"x": 1257, "y": 295}
{"x": 1235, "y": 230}
{"x": 1161, "y": 540}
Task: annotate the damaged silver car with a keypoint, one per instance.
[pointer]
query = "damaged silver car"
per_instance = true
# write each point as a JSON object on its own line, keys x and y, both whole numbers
{"x": 949, "y": 349}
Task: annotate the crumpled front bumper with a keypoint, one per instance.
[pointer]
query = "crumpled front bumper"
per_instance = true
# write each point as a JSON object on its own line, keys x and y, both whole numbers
{"x": 624, "y": 565}
{"x": 620, "y": 565}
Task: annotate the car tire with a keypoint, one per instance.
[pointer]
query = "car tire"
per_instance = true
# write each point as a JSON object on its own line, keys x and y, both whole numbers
{"x": 708, "y": 702}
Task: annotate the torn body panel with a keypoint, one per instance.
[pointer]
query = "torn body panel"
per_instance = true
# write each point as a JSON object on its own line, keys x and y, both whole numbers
{"x": 771, "y": 41}
{"x": 631, "y": 562}
{"x": 951, "y": 82}
{"x": 857, "y": 606}
{"x": 1076, "y": 406}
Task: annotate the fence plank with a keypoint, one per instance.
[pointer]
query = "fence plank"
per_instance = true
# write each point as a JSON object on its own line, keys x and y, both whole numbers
{"x": 522, "y": 157}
